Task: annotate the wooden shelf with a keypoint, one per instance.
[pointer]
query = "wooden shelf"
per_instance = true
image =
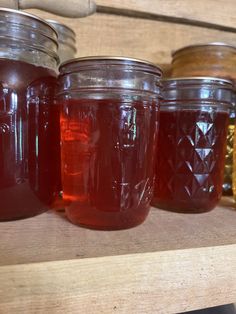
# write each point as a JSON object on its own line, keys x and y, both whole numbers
{"x": 119, "y": 27}
{"x": 171, "y": 263}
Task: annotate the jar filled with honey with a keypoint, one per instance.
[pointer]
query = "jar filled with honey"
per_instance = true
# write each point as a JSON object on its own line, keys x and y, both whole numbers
{"x": 29, "y": 141}
{"x": 217, "y": 60}
{"x": 194, "y": 118}
{"x": 109, "y": 122}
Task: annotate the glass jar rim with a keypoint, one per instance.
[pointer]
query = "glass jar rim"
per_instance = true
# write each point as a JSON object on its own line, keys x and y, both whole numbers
{"x": 202, "y": 45}
{"x": 66, "y": 35}
{"x": 70, "y": 32}
{"x": 32, "y": 16}
{"x": 148, "y": 66}
{"x": 189, "y": 80}
{"x": 198, "y": 89}
{"x": 26, "y": 34}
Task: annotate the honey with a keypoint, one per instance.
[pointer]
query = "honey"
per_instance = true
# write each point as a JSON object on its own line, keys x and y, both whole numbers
{"x": 28, "y": 63}
{"x": 109, "y": 123}
{"x": 191, "y": 145}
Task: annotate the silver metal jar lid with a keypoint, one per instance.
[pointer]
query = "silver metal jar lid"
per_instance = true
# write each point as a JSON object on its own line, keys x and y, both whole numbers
{"x": 97, "y": 61}
{"x": 198, "y": 88}
{"x": 21, "y": 29}
{"x": 66, "y": 35}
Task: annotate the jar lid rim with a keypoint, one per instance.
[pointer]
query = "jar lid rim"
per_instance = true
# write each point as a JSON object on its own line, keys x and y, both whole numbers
{"x": 222, "y": 44}
{"x": 30, "y": 15}
{"x": 51, "y": 21}
{"x": 198, "y": 78}
{"x": 115, "y": 58}
{"x": 64, "y": 42}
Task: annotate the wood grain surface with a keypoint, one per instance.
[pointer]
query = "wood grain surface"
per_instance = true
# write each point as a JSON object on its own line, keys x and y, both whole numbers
{"x": 108, "y": 34}
{"x": 159, "y": 282}
{"x": 218, "y": 14}
{"x": 171, "y": 263}
{"x": 50, "y": 237}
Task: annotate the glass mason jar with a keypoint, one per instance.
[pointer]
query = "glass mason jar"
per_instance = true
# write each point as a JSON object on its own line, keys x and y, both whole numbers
{"x": 28, "y": 63}
{"x": 217, "y": 60}
{"x": 66, "y": 40}
{"x": 191, "y": 143}
{"x": 109, "y": 125}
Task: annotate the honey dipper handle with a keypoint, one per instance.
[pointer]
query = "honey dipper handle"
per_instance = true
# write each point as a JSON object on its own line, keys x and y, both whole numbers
{"x": 67, "y": 8}
{"x": 12, "y": 4}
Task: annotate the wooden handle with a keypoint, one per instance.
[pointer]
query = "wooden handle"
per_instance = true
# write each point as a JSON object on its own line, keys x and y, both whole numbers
{"x": 11, "y": 4}
{"x": 67, "y": 8}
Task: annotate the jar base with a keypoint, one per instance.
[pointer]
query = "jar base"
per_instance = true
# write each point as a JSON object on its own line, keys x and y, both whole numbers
{"x": 106, "y": 228}
{"x": 227, "y": 192}
{"x": 20, "y": 202}
{"x": 105, "y": 222}
{"x": 181, "y": 209}
{"x": 21, "y": 217}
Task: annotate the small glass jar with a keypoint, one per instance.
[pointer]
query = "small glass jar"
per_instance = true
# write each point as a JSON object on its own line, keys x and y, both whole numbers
{"x": 217, "y": 60}
{"x": 28, "y": 62}
{"x": 66, "y": 39}
{"x": 109, "y": 125}
{"x": 191, "y": 145}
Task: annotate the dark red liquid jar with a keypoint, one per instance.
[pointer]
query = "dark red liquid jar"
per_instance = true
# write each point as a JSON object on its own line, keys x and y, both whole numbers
{"x": 191, "y": 144}
{"x": 28, "y": 65}
{"x": 109, "y": 123}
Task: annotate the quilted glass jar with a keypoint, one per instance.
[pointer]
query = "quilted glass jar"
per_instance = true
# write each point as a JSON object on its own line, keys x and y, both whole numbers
{"x": 191, "y": 144}
{"x": 215, "y": 59}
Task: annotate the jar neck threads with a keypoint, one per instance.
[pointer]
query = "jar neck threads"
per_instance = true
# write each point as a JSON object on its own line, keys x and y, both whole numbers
{"x": 27, "y": 38}
{"x": 197, "y": 89}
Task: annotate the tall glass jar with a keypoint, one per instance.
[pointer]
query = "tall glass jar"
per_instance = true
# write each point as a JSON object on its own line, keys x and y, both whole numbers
{"x": 66, "y": 40}
{"x": 191, "y": 143}
{"x": 109, "y": 125}
{"x": 28, "y": 62}
{"x": 217, "y": 60}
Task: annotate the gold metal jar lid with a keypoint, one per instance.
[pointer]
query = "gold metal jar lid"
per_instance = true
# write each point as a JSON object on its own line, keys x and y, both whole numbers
{"x": 146, "y": 65}
{"x": 221, "y": 44}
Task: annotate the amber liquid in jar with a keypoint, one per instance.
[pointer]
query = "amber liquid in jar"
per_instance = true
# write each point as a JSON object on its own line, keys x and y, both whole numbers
{"x": 108, "y": 151}
{"x": 190, "y": 160}
{"x": 28, "y": 172}
{"x": 228, "y": 171}
{"x": 234, "y": 166}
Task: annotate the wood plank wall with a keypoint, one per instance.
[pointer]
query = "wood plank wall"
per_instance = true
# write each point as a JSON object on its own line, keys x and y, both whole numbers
{"x": 150, "y": 29}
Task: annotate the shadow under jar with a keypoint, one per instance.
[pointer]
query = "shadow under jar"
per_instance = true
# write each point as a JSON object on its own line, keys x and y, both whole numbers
{"x": 28, "y": 63}
{"x": 109, "y": 123}
{"x": 194, "y": 118}
{"x": 215, "y": 60}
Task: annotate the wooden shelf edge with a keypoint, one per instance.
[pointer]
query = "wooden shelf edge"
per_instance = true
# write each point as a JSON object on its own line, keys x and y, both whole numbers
{"x": 159, "y": 282}
{"x": 212, "y": 14}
